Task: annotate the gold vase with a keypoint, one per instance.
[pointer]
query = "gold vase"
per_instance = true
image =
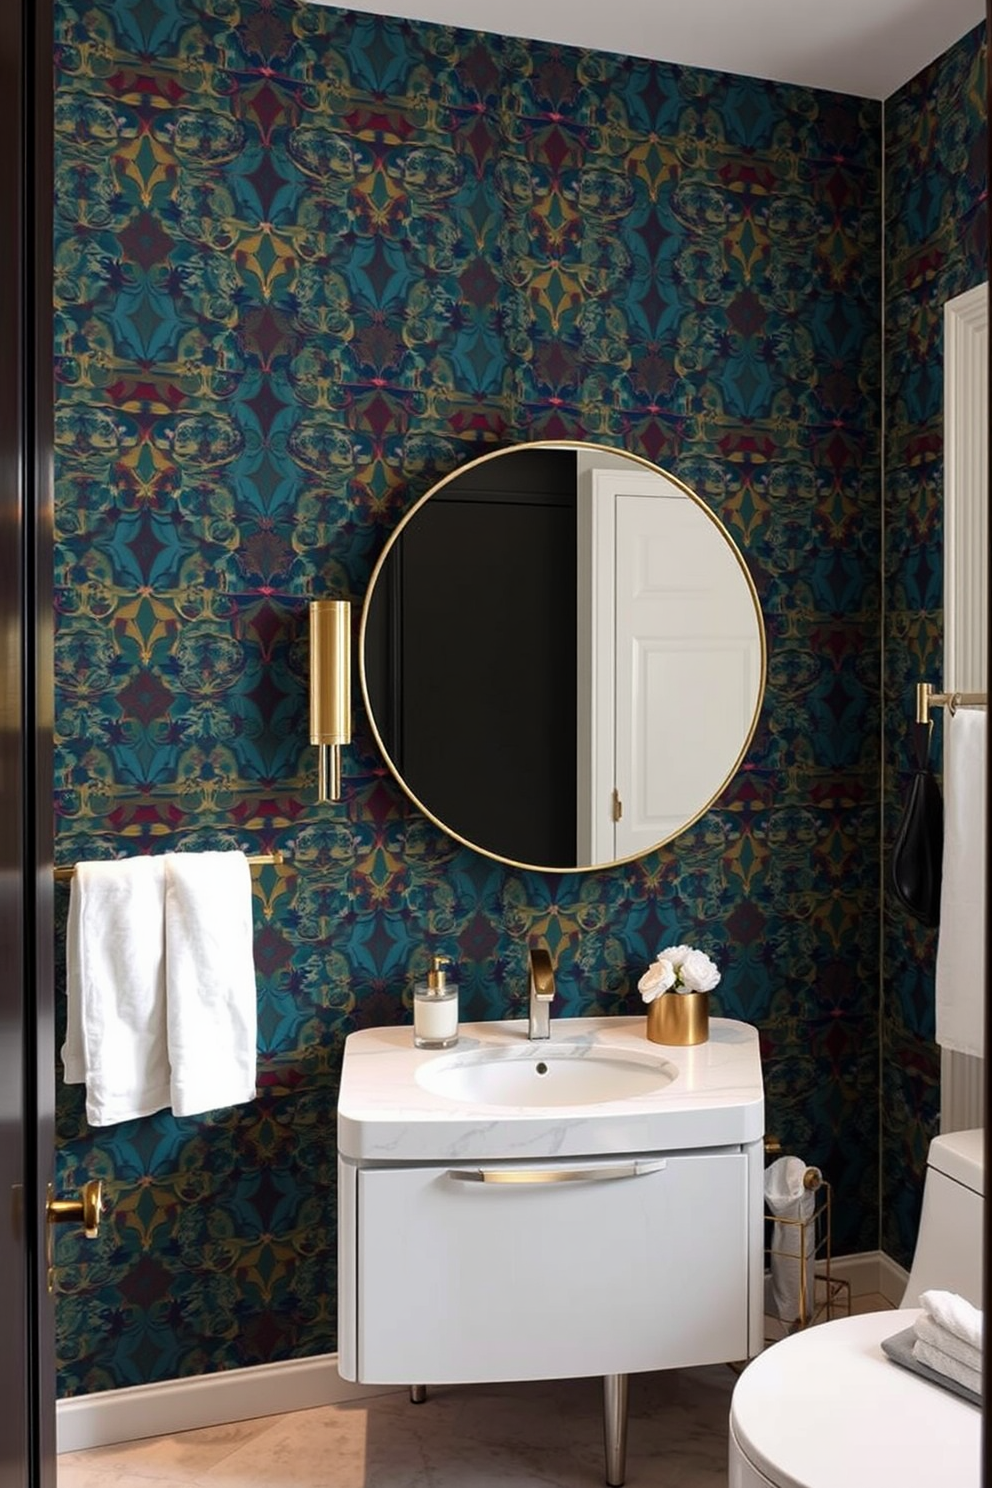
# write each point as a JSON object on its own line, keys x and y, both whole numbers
{"x": 679, "y": 1018}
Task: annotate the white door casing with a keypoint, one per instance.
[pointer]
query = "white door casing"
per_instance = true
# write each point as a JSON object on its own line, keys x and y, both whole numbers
{"x": 966, "y": 320}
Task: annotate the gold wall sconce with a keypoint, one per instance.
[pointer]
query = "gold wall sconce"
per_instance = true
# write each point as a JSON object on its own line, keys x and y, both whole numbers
{"x": 330, "y": 690}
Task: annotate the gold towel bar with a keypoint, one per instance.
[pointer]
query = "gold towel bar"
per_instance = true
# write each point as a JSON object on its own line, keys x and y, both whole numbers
{"x": 926, "y": 699}
{"x": 259, "y": 860}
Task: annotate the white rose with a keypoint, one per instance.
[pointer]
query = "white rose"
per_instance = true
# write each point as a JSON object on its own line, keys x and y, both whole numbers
{"x": 659, "y": 976}
{"x": 698, "y": 973}
{"x": 675, "y": 954}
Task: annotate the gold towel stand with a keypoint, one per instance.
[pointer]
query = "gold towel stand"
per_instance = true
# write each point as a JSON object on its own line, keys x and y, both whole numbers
{"x": 926, "y": 699}
{"x": 259, "y": 860}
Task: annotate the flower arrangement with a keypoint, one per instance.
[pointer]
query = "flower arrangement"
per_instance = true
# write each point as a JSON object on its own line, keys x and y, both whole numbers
{"x": 678, "y": 969}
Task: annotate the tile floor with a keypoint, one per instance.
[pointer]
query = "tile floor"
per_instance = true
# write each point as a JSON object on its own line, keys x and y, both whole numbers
{"x": 536, "y": 1435}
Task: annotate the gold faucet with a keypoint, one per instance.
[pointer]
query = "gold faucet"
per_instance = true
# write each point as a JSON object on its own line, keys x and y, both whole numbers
{"x": 542, "y": 992}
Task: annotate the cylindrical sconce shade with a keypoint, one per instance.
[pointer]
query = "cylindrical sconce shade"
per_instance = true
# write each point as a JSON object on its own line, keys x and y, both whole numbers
{"x": 330, "y": 690}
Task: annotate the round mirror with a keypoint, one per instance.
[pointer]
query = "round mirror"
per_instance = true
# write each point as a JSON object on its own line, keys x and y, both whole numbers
{"x": 562, "y": 656}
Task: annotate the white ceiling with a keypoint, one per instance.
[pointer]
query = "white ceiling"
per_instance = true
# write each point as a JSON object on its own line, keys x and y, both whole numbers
{"x": 865, "y": 47}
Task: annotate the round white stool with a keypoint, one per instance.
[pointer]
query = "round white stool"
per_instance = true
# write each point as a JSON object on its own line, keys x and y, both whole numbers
{"x": 825, "y": 1408}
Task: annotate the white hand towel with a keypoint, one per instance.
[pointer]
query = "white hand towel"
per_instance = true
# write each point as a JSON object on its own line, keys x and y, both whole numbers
{"x": 210, "y": 977}
{"x": 961, "y": 939}
{"x": 115, "y": 989}
{"x": 956, "y": 1314}
{"x": 935, "y": 1358}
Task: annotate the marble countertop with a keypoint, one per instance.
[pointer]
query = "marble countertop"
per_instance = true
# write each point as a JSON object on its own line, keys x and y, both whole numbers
{"x": 714, "y": 1098}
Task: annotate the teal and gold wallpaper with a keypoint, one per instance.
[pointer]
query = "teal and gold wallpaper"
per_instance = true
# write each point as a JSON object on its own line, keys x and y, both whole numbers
{"x": 307, "y": 261}
{"x": 936, "y": 247}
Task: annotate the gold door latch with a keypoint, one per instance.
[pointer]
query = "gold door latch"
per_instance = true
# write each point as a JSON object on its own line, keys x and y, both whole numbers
{"x": 86, "y": 1210}
{"x": 617, "y": 805}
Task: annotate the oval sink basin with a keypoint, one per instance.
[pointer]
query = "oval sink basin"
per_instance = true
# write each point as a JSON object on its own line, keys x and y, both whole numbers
{"x": 553, "y": 1076}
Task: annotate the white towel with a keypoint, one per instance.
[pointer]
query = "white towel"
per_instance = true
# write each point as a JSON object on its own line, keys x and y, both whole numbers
{"x": 956, "y": 1314}
{"x": 115, "y": 989}
{"x": 961, "y": 940}
{"x": 793, "y": 1235}
{"x": 935, "y": 1358}
{"x": 931, "y": 1332}
{"x": 210, "y": 975}
{"x": 160, "y": 985}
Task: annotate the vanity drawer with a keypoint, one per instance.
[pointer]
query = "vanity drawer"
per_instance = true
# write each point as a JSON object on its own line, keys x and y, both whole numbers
{"x": 606, "y": 1266}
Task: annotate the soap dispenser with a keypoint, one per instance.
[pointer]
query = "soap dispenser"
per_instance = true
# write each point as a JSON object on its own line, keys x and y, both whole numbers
{"x": 435, "y": 1008}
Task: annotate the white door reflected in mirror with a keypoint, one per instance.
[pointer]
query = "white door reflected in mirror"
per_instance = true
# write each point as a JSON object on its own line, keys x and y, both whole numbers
{"x": 679, "y": 661}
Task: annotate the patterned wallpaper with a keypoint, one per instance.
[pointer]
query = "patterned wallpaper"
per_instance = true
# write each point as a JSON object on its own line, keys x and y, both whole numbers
{"x": 306, "y": 261}
{"x": 936, "y": 247}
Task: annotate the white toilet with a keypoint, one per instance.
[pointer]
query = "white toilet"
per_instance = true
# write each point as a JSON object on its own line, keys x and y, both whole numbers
{"x": 825, "y": 1408}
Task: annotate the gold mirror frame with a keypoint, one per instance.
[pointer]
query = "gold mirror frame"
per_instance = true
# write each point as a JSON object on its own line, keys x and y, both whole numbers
{"x": 570, "y": 445}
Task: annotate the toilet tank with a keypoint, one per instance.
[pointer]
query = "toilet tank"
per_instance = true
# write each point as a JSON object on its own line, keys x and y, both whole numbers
{"x": 948, "y": 1254}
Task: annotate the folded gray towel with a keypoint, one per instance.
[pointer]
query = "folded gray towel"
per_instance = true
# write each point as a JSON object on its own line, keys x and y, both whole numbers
{"x": 899, "y": 1348}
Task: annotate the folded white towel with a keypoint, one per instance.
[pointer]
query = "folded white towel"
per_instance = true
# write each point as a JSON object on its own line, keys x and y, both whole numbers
{"x": 936, "y": 1359}
{"x": 927, "y": 1330}
{"x": 956, "y": 1314}
{"x": 115, "y": 989}
{"x": 210, "y": 974}
{"x": 960, "y": 970}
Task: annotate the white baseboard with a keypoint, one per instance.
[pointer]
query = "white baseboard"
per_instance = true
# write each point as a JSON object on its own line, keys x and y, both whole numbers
{"x": 112, "y": 1416}
{"x": 893, "y": 1280}
{"x": 870, "y": 1273}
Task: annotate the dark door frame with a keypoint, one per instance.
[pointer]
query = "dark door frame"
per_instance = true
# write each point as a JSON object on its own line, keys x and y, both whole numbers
{"x": 27, "y": 1423}
{"x": 986, "y": 1473}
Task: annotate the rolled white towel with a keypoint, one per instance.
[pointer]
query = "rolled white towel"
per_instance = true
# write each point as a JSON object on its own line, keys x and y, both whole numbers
{"x": 793, "y": 1246}
{"x": 956, "y": 1314}
{"x": 928, "y": 1330}
{"x": 941, "y": 1363}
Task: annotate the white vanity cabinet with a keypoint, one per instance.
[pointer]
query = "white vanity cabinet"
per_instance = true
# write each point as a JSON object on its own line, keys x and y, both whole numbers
{"x": 525, "y": 1242}
{"x": 501, "y": 1271}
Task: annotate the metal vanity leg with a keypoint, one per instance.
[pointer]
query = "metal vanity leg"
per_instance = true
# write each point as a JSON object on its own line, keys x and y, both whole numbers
{"x": 418, "y": 1394}
{"x": 615, "y": 1427}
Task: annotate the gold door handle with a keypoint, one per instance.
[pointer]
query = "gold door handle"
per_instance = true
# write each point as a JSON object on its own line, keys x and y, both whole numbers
{"x": 86, "y": 1210}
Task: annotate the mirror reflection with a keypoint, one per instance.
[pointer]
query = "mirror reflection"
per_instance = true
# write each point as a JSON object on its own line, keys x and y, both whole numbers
{"x": 562, "y": 655}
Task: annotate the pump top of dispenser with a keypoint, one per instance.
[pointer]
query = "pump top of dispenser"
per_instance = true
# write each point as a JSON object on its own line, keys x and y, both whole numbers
{"x": 436, "y": 978}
